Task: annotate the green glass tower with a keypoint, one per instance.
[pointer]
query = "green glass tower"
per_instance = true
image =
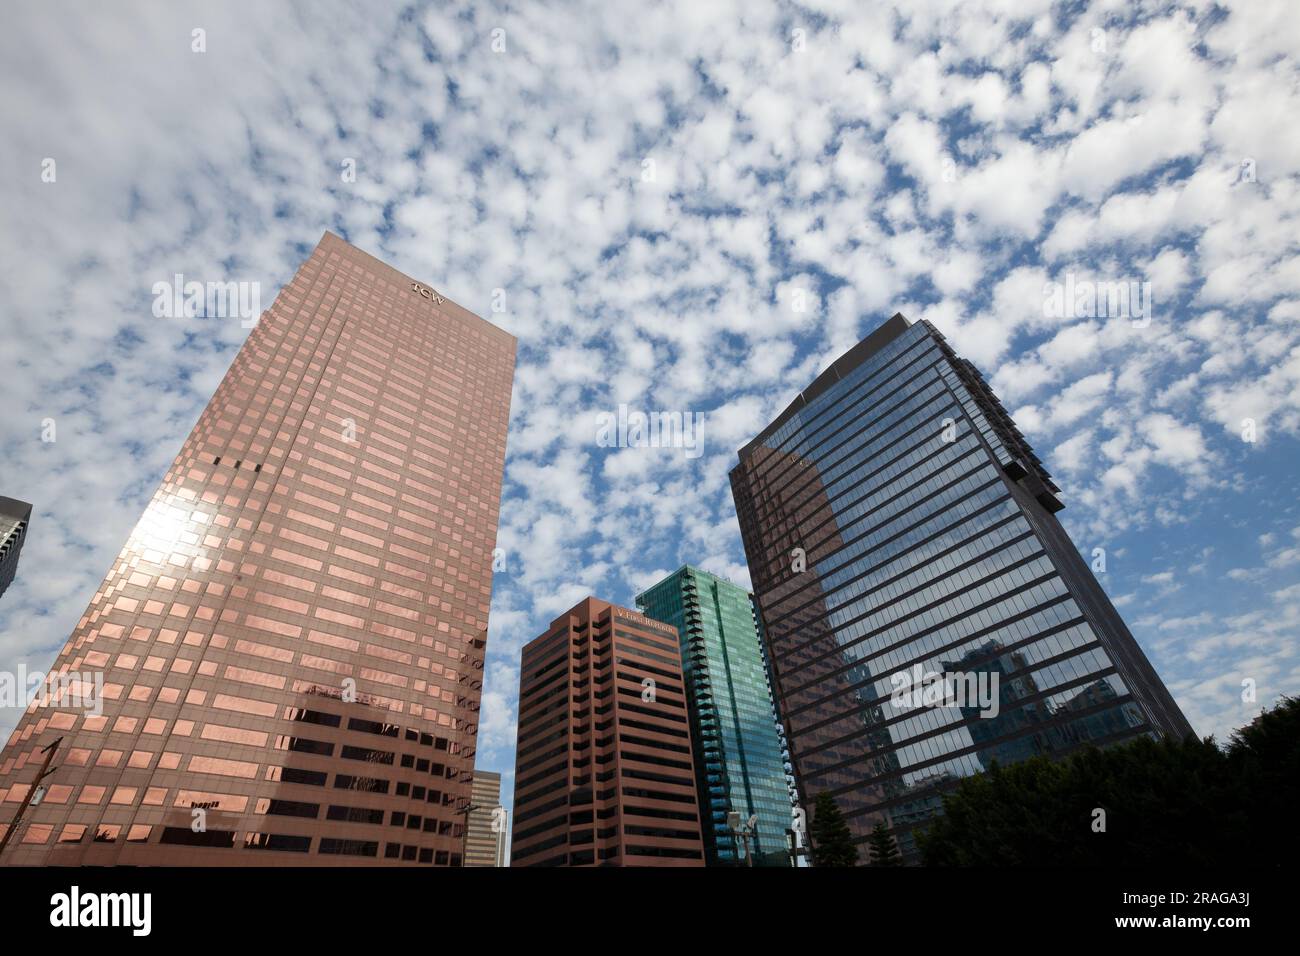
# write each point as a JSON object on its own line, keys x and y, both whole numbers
{"x": 738, "y": 762}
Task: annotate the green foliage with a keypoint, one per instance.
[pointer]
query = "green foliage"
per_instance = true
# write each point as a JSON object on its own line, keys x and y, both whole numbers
{"x": 1165, "y": 802}
{"x": 832, "y": 841}
{"x": 883, "y": 849}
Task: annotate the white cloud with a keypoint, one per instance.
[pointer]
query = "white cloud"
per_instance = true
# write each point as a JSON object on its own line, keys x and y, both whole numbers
{"x": 949, "y": 165}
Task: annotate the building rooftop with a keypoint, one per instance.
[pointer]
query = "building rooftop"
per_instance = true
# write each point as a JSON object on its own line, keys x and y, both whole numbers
{"x": 873, "y": 343}
{"x": 330, "y": 239}
{"x": 13, "y": 508}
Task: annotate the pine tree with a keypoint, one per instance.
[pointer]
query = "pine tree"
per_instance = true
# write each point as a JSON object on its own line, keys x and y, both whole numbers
{"x": 832, "y": 841}
{"x": 883, "y": 849}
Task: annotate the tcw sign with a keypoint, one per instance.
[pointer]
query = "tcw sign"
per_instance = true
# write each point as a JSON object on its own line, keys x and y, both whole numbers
{"x": 427, "y": 293}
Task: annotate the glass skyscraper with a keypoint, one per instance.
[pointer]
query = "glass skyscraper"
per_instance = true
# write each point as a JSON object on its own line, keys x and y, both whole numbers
{"x": 897, "y": 523}
{"x": 738, "y": 762}
{"x": 291, "y": 641}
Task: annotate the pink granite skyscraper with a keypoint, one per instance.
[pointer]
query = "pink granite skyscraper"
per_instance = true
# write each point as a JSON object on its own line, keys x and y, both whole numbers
{"x": 291, "y": 642}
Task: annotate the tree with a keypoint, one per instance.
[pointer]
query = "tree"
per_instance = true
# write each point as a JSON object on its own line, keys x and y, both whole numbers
{"x": 832, "y": 841}
{"x": 1264, "y": 757}
{"x": 1166, "y": 802}
{"x": 884, "y": 851}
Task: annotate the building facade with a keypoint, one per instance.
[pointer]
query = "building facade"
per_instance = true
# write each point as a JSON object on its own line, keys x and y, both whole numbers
{"x": 291, "y": 642}
{"x": 485, "y": 841}
{"x": 737, "y": 748}
{"x": 603, "y": 768}
{"x": 898, "y": 526}
{"x": 15, "y": 516}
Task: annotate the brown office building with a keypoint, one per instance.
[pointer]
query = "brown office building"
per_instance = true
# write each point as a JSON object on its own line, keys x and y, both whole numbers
{"x": 603, "y": 768}
{"x": 485, "y": 842}
{"x": 291, "y": 642}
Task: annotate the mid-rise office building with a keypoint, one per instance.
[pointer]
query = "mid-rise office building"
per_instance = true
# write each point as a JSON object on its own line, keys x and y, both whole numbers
{"x": 291, "y": 642}
{"x": 603, "y": 767}
{"x": 15, "y": 516}
{"x": 738, "y": 762}
{"x": 897, "y": 523}
{"x": 485, "y": 841}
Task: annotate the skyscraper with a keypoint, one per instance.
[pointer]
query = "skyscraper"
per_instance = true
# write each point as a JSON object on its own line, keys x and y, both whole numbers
{"x": 895, "y": 518}
{"x": 291, "y": 642}
{"x": 738, "y": 762}
{"x": 603, "y": 769}
{"x": 15, "y": 516}
{"x": 485, "y": 842}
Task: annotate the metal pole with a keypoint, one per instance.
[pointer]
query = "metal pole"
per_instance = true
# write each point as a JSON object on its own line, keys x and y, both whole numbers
{"x": 464, "y": 835}
{"x": 31, "y": 791}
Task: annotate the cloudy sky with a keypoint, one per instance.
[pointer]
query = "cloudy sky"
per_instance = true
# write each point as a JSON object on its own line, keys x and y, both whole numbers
{"x": 648, "y": 194}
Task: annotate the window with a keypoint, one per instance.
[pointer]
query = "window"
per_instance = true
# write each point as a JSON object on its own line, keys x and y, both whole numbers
{"x": 291, "y": 808}
{"x": 355, "y": 814}
{"x": 312, "y": 778}
{"x": 366, "y": 754}
{"x": 330, "y": 845}
{"x": 363, "y": 784}
{"x": 184, "y": 836}
{"x": 277, "y": 841}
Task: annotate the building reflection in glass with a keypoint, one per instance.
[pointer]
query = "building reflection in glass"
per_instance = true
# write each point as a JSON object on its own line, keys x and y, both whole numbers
{"x": 894, "y": 516}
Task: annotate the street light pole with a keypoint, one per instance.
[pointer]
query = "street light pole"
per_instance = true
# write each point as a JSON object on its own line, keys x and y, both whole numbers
{"x": 464, "y": 834}
{"x": 31, "y": 792}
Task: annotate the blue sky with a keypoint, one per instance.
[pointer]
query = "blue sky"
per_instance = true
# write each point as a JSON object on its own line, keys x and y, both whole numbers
{"x": 686, "y": 207}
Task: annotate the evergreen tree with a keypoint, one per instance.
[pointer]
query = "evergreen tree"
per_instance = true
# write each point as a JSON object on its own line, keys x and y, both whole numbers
{"x": 884, "y": 851}
{"x": 1146, "y": 802}
{"x": 832, "y": 841}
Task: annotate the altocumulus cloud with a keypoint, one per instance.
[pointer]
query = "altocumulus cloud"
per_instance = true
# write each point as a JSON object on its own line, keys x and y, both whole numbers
{"x": 689, "y": 207}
